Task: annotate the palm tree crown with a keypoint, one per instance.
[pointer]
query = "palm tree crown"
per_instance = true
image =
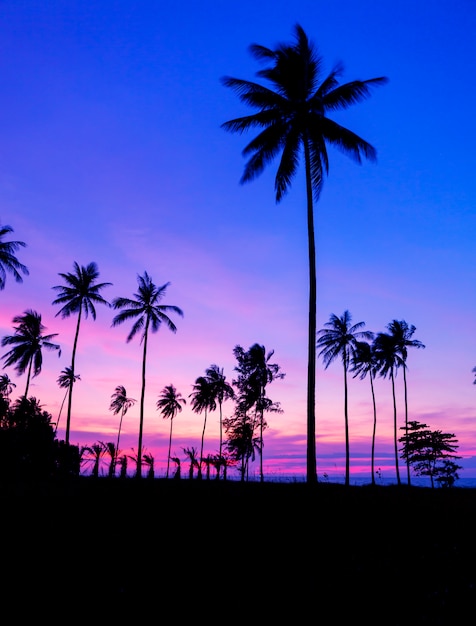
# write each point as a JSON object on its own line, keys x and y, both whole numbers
{"x": 8, "y": 260}
{"x": 148, "y": 314}
{"x": 292, "y": 120}
{"x": 28, "y": 342}
{"x": 79, "y": 295}
{"x": 170, "y": 403}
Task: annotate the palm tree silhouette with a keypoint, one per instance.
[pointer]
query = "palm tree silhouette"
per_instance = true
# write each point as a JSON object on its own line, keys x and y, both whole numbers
{"x": 203, "y": 400}
{"x": 474, "y": 371}
{"x": 170, "y": 403}
{"x": 28, "y": 342}
{"x": 338, "y": 338}
{"x": 120, "y": 403}
{"x": 292, "y": 119}
{"x": 6, "y": 386}
{"x": 402, "y": 334}
{"x": 389, "y": 359}
{"x": 65, "y": 380}
{"x": 79, "y": 295}
{"x": 148, "y": 315}
{"x": 221, "y": 390}
{"x": 364, "y": 362}
{"x": 8, "y": 260}
{"x": 191, "y": 454}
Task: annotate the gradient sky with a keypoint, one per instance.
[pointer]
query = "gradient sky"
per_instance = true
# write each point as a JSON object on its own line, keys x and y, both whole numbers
{"x": 112, "y": 152}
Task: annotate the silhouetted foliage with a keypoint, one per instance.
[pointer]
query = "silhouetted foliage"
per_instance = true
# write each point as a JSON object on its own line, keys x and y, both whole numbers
{"x": 8, "y": 260}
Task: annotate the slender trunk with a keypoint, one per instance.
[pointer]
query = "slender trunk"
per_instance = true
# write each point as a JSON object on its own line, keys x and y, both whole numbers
{"x": 347, "y": 445}
{"x": 28, "y": 376}
{"x": 395, "y": 429}
{"x": 311, "y": 366}
{"x": 406, "y": 420}
{"x": 374, "y": 429}
{"x": 170, "y": 445}
{"x": 142, "y": 396}
{"x": 118, "y": 438}
{"x": 70, "y": 389}
{"x": 201, "y": 446}
{"x": 221, "y": 431}
{"x": 61, "y": 408}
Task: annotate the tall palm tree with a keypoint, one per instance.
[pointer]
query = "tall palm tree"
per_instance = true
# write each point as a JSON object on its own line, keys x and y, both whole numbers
{"x": 120, "y": 403}
{"x": 292, "y": 119}
{"x": 170, "y": 403}
{"x": 221, "y": 390}
{"x": 402, "y": 333}
{"x": 364, "y": 362}
{"x": 65, "y": 380}
{"x": 78, "y": 295}
{"x": 149, "y": 315}
{"x": 387, "y": 354}
{"x": 338, "y": 338}
{"x": 28, "y": 342}
{"x": 8, "y": 260}
{"x": 203, "y": 400}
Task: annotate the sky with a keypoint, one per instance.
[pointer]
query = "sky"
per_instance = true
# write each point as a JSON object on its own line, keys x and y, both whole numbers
{"x": 112, "y": 152}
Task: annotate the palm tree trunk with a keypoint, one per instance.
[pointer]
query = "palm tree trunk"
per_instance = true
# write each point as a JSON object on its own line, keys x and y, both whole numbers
{"x": 406, "y": 419}
{"x": 142, "y": 396}
{"x": 374, "y": 430}
{"x": 28, "y": 378}
{"x": 170, "y": 446}
{"x": 311, "y": 365}
{"x": 346, "y": 416}
{"x": 201, "y": 446}
{"x": 70, "y": 390}
{"x": 395, "y": 429}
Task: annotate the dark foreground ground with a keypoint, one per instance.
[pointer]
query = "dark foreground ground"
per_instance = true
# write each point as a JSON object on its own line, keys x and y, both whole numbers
{"x": 195, "y": 552}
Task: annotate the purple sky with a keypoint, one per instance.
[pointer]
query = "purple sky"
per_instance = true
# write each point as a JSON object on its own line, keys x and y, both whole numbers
{"x": 112, "y": 152}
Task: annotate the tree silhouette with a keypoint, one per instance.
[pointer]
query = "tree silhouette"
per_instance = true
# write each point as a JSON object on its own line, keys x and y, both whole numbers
{"x": 203, "y": 400}
{"x": 338, "y": 338}
{"x": 149, "y": 315}
{"x": 65, "y": 380}
{"x": 292, "y": 119}
{"x": 8, "y": 260}
{"x": 170, "y": 403}
{"x": 221, "y": 390}
{"x": 120, "y": 403}
{"x": 6, "y": 385}
{"x": 78, "y": 296}
{"x": 28, "y": 342}
{"x": 402, "y": 334}
{"x": 364, "y": 362}
{"x": 191, "y": 454}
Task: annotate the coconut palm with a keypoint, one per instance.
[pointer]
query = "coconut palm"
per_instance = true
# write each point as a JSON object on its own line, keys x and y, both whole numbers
{"x": 338, "y": 338}
{"x": 221, "y": 390}
{"x": 170, "y": 403}
{"x": 364, "y": 362}
{"x": 120, "y": 403}
{"x": 78, "y": 295}
{"x": 6, "y": 385}
{"x": 28, "y": 343}
{"x": 65, "y": 380}
{"x": 292, "y": 119}
{"x": 390, "y": 360}
{"x": 8, "y": 260}
{"x": 148, "y": 315}
{"x": 191, "y": 454}
{"x": 402, "y": 333}
{"x": 203, "y": 400}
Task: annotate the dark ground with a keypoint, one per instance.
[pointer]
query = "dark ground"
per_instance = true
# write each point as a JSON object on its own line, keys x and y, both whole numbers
{"x": 182, "y": 551}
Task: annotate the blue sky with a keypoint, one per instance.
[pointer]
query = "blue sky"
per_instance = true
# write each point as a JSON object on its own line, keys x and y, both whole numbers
{"x": 112, "y": 152}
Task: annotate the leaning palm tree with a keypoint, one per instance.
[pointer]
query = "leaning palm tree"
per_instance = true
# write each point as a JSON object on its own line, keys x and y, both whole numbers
{"x": 8, "y": 260}
{"x": 402, "y": 333}
{"x": 338, "y": 338}
{"x": 120, "y": 403}
{"x": 292, "y": 119}
{"x": 170, "y": 403}
{"x": 79, "y": 295}
{"x": 221, "y": 390}
{"x": 390, "y": 360}
{"x": 364, "y": 362}
{"x": 28, "y": 342}
{"x": 65, "y": 380}
{"x": 203, "y": 400}
{"x": 149, "y": 315}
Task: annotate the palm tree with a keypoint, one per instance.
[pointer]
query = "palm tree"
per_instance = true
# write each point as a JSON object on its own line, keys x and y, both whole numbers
{"x": 170, "y": 403}
{"x": 8, "y": 260}
{"x": 28, "y": 342}
{"x": 120, "y": 403}
{"x": 474, "y": 371}
{"x": 389, "y": 359}
{"x": 338, "y": 338}
{"x": 148, "y": 314}
{"x": 65, "y": 380}
{"x": 203, "y": 400}
{"x": 220, "y": 391}
{"x": 191, "y": 454}
{"x": 292, "y": 120}
{"x": 363, "y": 362}
{"x": 6, "y": 385}
{"x": 79, "y": 295}
{"x": 402, "y": 334}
